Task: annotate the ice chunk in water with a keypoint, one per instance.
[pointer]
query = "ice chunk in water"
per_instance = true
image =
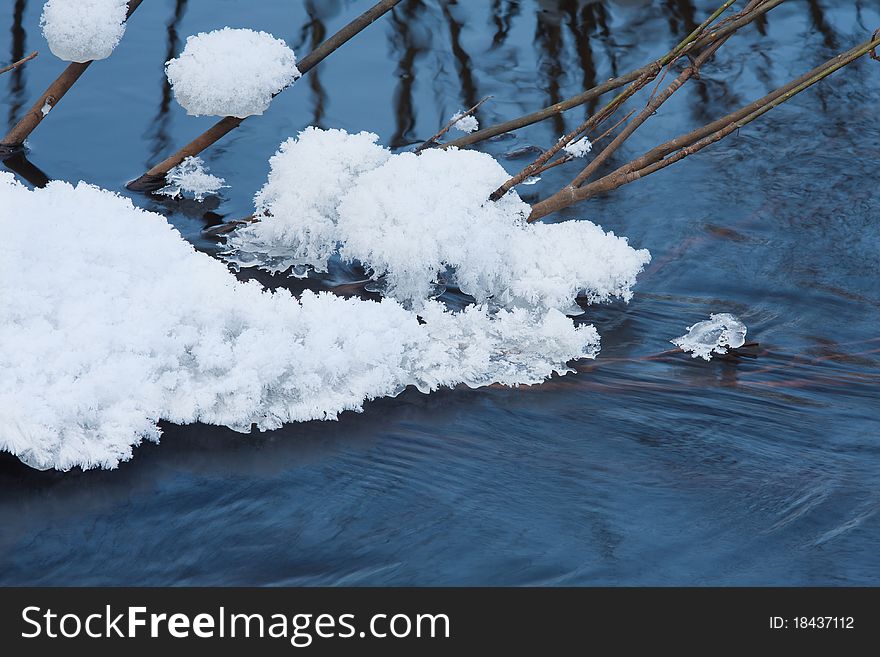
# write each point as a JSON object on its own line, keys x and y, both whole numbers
{"x": 713, "y": 335}
{"x": 192, "y": 176}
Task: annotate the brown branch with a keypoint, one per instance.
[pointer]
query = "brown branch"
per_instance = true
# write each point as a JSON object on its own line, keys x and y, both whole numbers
{"x": 18, "y": 63}
{"x": 585, "y": 127}
{"x": 643, "y": 80}
{"x": 613, "y": 83}
{"x": 614, "y": 127}
{"x": 27, "y": 124}
{"x": 155, "y": 177}
{"x": 433, "y": 141}
{"x": 686, "y": 145}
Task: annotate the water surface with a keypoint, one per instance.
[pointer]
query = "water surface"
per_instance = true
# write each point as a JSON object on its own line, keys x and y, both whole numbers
{"x": 644, "y": 467}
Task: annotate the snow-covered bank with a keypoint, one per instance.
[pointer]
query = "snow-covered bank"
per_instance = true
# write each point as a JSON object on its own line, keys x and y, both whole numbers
{"x": 110, "y": 321}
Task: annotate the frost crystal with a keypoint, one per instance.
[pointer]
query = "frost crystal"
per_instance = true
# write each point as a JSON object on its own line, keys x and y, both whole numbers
{"x": 578, "y": 148}
{"x": 464, "y": 123}
{"x": 713, "y": 335}
{"x": 190, "y": 176}
{"x": 231, "y": 72}
{"x": 411, "y": 218}
{"x": 144, "y": 328}
{"x": 83, "y": 30}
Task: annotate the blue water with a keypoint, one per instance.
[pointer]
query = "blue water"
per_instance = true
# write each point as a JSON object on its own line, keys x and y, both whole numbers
{"x": 643, "y": 468}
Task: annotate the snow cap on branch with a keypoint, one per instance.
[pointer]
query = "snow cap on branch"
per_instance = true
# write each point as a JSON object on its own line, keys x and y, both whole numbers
{"x": 83, "y": 30}
{"x": 231, "y": 72}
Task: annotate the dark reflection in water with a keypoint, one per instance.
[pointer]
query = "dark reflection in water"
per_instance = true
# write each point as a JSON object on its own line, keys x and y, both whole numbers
{"x": 409, "y": 42}
{"x": 644, "y": 467}
{"x": 502, "y": 15}
{"x": 16, "y": 76}
{"x": 159, "y": 129}
{"x": 318, "y": 12}
{"x": 464, "y": 66}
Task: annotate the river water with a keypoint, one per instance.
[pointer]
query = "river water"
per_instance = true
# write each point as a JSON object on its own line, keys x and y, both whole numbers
{"x": 643, "y": 468}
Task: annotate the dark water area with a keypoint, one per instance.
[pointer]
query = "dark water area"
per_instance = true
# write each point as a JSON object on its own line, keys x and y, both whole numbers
{"x": 645, "y": 467}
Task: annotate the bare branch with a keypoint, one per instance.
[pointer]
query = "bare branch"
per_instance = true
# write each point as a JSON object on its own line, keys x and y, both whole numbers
{"x": 13, "y": 140}
{"x": 18, "y": 63}
{"x": 155, "y": 177}
{"x": 686, "y": 145}
{"x": 433, "y": 141}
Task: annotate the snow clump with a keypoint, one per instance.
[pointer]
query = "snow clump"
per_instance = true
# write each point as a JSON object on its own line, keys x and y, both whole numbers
{"x": 464, "y": 123}
{"x": 231, "y": 72}
{"x": 411, "y": 219}
{"x": 578, "y": 148}
{"x": 83, "y": 30}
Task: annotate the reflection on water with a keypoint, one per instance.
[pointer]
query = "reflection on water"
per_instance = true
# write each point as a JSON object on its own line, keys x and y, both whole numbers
{"x": 646, "y": 467}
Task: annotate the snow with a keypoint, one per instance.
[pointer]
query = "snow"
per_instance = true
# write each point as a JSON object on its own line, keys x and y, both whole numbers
{"x": 713, "y": 335}
{"x": 411, "y": 219}
{"x": 464, "y": 123}
{"x": 83, "y": 30}
{"x": 306, "y": 177}
{"x": 191, "y": 176}
{"x": 110, "y": 321}
{"x": 231, "y": 72}
{"x": 578, "y": 148}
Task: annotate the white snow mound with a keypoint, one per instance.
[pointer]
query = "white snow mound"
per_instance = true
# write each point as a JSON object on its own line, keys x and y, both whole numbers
{"x": 231, "y": 72}
{"x": 412, "y": 219}
{"x": 110, "y": 322}
{"x": 713, "y": 335}
{"x": 83, "y": 30}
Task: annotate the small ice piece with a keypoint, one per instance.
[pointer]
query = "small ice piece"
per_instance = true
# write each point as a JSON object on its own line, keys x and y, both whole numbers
{"x": 192, "y": 176}
{"x": 46, "y": 108}
{"x": 531, "y": 180}
{"x": 231, "y": 72}
{"x": 465, "y": 123}
{"x": 713, "y": 335}
{"x": 83, "y": 30}
{"x": 578, "y": 148}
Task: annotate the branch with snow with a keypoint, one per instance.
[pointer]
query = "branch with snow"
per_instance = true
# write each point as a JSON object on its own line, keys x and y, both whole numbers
{"x": 231, "y": 72}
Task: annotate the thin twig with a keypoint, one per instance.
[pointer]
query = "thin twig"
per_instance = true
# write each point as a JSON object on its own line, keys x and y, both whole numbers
{"x": 591, "y": 123}
{"x": 433, "y": 141}
{"x": 694, "y": 141}
{"x": 18, "y": 63}
{"x": 155, "y": 177}
{"x": 609, "y": 85}
{"x": 614, "y": 127}
{"x": 14, "y": 139}
{"x": 656, "y": 101}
